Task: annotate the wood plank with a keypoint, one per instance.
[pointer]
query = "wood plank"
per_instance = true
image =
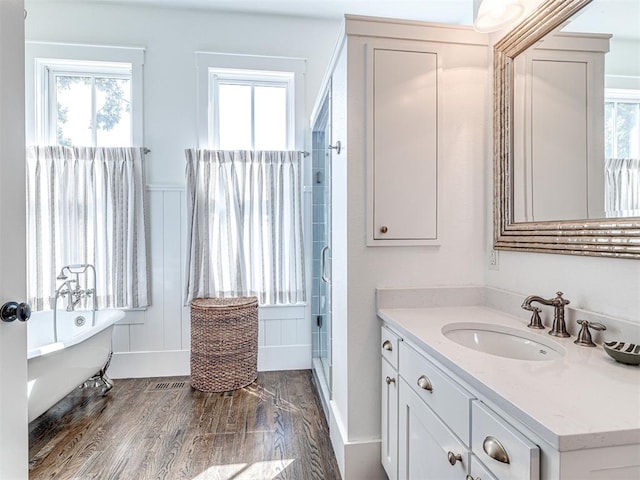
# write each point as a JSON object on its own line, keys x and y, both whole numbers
{"x": 273, "y": 428}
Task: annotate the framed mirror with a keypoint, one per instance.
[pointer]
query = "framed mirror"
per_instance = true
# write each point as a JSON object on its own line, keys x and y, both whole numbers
{"x": 557, "y": 176}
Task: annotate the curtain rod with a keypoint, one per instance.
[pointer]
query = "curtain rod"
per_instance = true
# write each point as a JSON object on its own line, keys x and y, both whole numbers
{"x": 303, "y": 152}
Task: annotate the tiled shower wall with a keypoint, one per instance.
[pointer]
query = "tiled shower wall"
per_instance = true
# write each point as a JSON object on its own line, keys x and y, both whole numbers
{"x": 319, "y": 288}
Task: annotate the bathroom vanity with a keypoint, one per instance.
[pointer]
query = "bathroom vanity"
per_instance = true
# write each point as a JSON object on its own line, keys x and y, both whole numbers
{"x": 450, "y": 411}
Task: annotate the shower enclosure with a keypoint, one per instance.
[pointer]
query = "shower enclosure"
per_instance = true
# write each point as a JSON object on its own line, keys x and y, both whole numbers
{"x": 321, "y": 278}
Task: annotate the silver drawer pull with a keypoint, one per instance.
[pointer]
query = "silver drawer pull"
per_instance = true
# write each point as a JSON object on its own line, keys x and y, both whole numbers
{"x": 390, "y": 380}
{"x": 454, "y": 457}
{"x": 425, "y": 383}
{"x": 387, "y": 345}
{"x": 495, "y": 450}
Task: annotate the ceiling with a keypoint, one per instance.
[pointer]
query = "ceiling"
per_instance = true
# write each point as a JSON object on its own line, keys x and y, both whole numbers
{"x": 445, "y": 11}
{"x": 620, "y": 17}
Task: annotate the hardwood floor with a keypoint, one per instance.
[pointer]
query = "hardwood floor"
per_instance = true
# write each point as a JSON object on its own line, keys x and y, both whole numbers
{"x": 272, "y": 429}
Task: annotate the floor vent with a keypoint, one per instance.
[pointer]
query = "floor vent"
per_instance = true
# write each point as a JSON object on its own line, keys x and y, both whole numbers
{"x": 164, "y": 386}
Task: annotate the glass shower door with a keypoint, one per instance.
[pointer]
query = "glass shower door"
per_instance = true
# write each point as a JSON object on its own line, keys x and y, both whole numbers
{"x": 321, "y": 281}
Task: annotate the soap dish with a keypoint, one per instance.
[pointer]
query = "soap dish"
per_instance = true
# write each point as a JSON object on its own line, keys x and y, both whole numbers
{"x": 627, "y": 353}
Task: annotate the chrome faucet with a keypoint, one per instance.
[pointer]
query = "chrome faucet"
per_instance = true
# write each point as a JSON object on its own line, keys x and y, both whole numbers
{"x": 559, "y": 328}
{"x": 74, "y": 295}
{"x": 65, "y": 289}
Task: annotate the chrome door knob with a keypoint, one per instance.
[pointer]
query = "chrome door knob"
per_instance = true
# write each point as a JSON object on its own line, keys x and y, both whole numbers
{"x": 11, "y": 311}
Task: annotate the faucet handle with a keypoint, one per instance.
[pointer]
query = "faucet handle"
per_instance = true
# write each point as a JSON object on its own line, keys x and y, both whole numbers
{"x": 535, "y": 321}
{"x": 584, "y": 336}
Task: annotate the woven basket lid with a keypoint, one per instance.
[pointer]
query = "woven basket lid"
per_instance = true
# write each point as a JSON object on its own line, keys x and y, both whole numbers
{"x": 223, "y": 302}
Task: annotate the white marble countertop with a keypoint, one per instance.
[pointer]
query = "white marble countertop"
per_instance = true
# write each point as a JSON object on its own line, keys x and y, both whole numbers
{"x": 582, "y": 400}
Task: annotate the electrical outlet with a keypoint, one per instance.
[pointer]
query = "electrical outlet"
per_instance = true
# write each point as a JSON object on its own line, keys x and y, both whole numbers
{"x": 494, "y": 260}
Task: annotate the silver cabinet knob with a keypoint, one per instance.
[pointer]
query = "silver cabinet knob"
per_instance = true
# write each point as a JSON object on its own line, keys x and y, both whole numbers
{"x": 495, "y": 449}
{"x": 390, "y": 380}
{"x": 337, "y": 147}
{"x": 454, "y": 457}
{"x": 384, "y": 229}
{"x": 425, "y": 383}
{"x": 386, "y": 345}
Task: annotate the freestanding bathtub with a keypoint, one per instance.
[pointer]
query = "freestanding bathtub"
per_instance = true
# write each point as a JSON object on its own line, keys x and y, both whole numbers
{"x": 82, "y": 348}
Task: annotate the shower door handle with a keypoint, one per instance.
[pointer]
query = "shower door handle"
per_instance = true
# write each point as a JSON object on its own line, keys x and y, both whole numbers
{"x": 11, "y": 311}
{"x": 323, "y": 264}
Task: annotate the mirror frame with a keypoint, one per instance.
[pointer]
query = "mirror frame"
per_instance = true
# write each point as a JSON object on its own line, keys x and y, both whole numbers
{"x": 602, "y": 237}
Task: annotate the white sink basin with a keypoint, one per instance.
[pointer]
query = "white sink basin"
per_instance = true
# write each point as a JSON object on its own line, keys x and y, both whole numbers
{"x": 503, "y": 341}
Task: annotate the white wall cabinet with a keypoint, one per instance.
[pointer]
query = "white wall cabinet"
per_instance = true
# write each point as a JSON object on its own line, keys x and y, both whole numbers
{"x": 402, "y": 132}
{"x": 559, "y": 114}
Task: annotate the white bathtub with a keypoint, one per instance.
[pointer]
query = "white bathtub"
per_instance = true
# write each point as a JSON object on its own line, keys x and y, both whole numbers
{"x": 56, "y": 368}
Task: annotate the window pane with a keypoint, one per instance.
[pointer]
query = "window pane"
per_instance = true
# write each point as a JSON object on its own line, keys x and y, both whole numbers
{"x": 113, "y": 112}
{"x": 627, "y": 129}
{"x": 234, "y": 117}
{"x": 270, "y": 118}
{"x": 73, "y": 95}
{"x": 609, "y": 125}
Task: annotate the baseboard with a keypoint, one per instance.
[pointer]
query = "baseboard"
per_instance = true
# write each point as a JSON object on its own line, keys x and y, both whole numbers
{"x": 356, "y": 460}
{"x": 172, "y": 363}
{"x": 285, "y": 357}
{"x": 169, "y": 363}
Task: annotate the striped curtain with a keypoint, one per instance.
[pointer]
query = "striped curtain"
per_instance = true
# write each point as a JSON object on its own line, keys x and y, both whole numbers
{"x": 244, "y": 225}
{"x": 86, "y": 205}
{"x": 622, "y": 187}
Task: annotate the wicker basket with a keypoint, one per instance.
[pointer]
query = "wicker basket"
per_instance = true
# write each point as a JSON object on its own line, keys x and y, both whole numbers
{"x": 224, "y": 343}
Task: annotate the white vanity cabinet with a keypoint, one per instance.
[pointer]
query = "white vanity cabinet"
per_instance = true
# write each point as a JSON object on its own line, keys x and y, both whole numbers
{"x": 443, "y": 430}
{"x": 389, "y": 402}
{"x": 572, "y": 418}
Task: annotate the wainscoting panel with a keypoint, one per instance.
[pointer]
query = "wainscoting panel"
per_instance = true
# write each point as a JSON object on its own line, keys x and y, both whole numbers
{"x": 156, "y": 342}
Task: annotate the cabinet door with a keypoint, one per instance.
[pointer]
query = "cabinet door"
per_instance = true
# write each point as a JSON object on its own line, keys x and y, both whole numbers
{"x": 477, "y": 471}
{"x": 425, "y": 443}
{"x": 402, "y": 139}
{"x": 389, "y": 447}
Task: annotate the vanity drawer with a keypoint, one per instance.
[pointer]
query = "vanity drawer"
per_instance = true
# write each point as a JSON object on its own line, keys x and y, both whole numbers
{"x": 389, "y": 343}
{"x": 492, "y": 437}
{"x": 445, "y": 397}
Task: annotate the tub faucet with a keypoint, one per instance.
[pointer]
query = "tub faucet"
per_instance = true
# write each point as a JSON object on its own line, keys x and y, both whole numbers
{"x": 65, "y": 289}
{"x": 77, "y": 295}
{"x": 559, "y": 328}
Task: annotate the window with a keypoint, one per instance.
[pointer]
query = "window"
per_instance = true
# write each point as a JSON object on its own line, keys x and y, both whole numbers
{"x": 85, "y": 205}
{"x": 248, "y": 102}
{"x": 84, "y": 95}
{"x": 250, "y": 110}
{"x": 87, "y": 104}
{"x": 622, "y": 123}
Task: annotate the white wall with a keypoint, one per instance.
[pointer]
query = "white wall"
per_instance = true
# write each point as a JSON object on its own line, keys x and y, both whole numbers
{"x": 171, "y": 38}
{"x": 156, "y": 341}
